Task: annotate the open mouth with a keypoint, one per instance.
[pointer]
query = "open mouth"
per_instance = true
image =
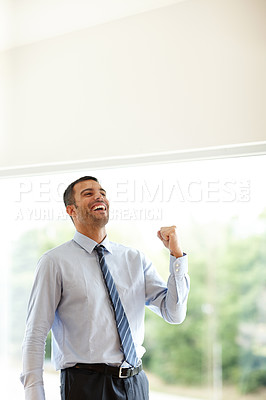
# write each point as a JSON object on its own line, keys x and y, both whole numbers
{"x": 98, "y": 207}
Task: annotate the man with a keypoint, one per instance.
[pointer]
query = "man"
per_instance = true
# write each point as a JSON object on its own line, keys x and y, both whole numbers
{"x": 92, "y": 293}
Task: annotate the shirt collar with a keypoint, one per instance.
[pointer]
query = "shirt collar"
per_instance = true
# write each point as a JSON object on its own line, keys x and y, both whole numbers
{"x": 88, "y": 244}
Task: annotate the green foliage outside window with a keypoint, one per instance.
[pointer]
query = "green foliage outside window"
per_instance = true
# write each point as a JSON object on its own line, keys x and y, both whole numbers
{"x": 226, "y": 308}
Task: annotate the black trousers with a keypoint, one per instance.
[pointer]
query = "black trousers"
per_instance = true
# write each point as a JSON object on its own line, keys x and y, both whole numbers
{"x": 82, "y": 384}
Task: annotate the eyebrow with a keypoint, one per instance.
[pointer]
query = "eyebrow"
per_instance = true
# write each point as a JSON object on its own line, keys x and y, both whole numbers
{"x": 91, "y": 190}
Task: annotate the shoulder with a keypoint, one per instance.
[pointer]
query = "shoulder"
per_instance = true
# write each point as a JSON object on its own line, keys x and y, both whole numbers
{"x": 59, "y": 249}
{"x": 58, "y": 253}
{"x": 128, "y": 252}
{"x": 118, "y": 247}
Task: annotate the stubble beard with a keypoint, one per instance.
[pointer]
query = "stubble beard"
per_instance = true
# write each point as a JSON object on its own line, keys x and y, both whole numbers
{"x": 98, "y": 221}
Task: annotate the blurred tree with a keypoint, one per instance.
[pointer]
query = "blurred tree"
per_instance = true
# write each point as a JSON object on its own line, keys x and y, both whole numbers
{"x": 242, "y": 289}
{"x": 224, "y": 309}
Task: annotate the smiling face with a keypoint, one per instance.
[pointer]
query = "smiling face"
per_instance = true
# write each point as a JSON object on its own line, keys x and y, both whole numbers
{"x": 91, "y": 207}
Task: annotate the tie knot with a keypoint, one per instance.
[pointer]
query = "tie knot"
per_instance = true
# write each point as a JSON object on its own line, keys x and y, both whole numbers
{"x": 99, "y": 249}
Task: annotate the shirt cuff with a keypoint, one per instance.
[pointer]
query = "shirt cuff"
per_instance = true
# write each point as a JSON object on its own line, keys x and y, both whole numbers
{"x": 34, "y": 393}
{"x": 179, "y": 266}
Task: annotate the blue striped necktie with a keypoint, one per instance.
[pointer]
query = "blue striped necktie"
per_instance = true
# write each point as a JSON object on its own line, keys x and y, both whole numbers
{"x": 122, "y": 324}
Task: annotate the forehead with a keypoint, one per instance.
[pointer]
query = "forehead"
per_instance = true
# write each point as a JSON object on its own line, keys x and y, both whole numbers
{"x": 90, "y": 184}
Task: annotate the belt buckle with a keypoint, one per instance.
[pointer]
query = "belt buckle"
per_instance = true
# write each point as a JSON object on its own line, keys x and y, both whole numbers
{"x": 120, "y": 373}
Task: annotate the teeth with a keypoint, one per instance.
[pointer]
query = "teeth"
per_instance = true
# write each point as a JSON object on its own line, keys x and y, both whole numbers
{"x": 101, "y": 207}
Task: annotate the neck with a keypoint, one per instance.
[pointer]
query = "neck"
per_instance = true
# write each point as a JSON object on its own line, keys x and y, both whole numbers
{"x": 96, "y": 234}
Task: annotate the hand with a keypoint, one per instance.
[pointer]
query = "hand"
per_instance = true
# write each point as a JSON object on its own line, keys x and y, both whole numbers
{"x": 168, "y": 236}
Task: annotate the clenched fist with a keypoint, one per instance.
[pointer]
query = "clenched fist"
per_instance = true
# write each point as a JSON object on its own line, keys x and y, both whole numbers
{"x": 168, "y": 236}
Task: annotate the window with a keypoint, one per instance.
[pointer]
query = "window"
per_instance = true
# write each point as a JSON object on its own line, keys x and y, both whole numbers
{"x": 219, "y": 207}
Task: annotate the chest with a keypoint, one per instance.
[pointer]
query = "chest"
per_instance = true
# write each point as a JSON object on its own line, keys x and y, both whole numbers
{"x": 82, "y": 278}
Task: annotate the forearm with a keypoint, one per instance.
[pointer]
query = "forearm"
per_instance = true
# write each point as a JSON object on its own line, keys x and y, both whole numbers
{"x": 169, "y": 301}
{"x": 174, "y": 305}
{"x": 33, "y": 357}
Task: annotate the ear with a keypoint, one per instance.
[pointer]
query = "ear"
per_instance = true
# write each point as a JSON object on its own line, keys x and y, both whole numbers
{"x": 71, "y": 210}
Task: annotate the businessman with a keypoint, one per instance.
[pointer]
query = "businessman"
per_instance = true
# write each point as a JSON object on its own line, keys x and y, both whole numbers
{"x": 92, "y": 293}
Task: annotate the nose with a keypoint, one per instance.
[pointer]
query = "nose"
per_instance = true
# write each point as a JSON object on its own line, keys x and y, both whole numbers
{"x": 99, "y": 196}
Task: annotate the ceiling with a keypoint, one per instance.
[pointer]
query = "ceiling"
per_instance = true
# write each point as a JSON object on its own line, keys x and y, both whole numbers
{"x": 27, "y": 21}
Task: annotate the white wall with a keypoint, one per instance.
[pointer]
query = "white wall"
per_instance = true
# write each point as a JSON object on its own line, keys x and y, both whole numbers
{"x": 181, "y": 77}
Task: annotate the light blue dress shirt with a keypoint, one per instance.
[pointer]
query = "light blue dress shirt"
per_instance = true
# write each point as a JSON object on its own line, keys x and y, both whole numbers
{"x": 69, "y": 296}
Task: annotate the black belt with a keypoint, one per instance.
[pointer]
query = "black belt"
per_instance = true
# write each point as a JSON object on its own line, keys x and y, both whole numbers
{"x": 118, "y": 372}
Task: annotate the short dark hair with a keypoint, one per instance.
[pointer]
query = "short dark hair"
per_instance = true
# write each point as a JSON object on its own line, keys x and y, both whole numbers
{"x": 69, "y": 192}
